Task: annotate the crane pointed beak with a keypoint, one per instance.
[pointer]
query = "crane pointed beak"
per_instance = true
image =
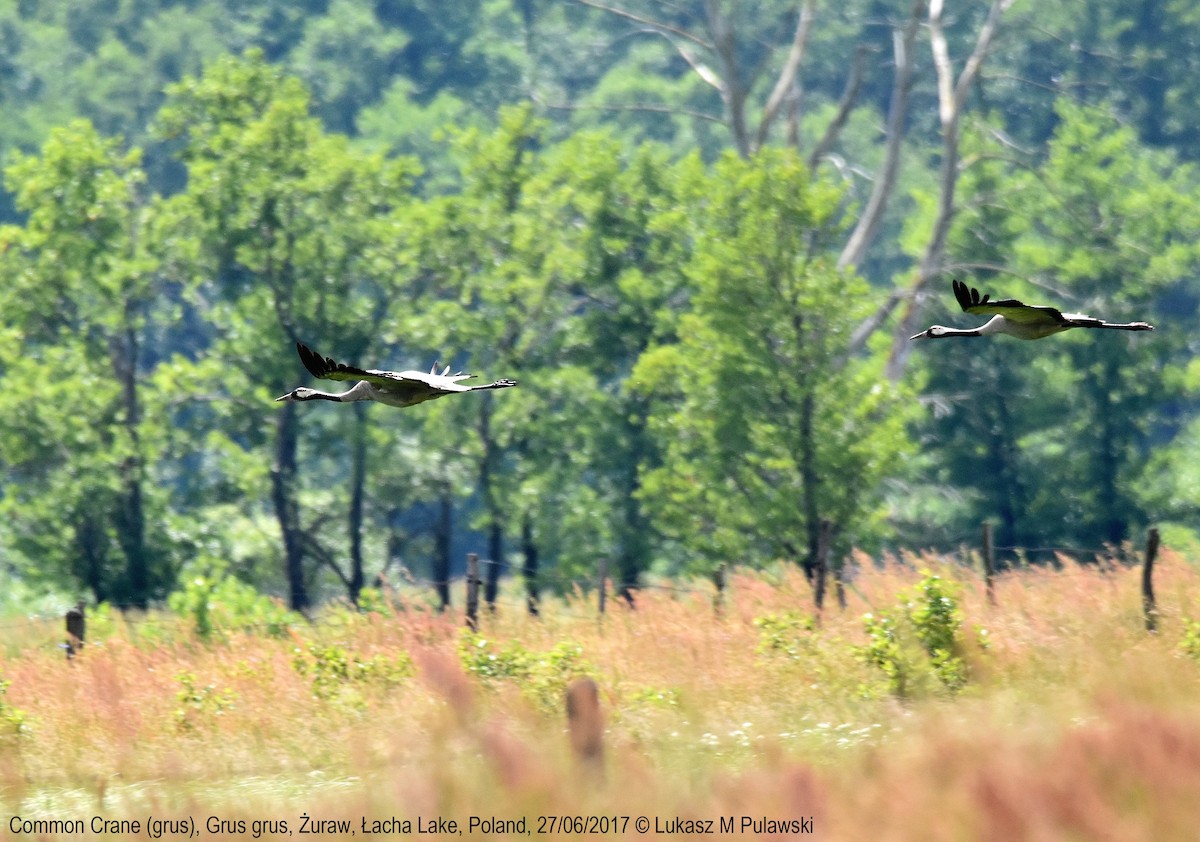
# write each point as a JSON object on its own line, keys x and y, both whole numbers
{"x": 288, "y": 397}
{"x": 922, "y": 335}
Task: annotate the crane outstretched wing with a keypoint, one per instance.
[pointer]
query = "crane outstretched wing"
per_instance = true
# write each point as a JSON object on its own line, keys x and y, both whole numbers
{"x": 1016, "y": 311}
{"x": 327, "y": 368}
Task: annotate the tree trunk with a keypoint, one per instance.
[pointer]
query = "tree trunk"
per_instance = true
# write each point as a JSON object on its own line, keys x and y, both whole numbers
{"x": 1004, "y": 454}
{"x": 283, "y": 480}
{"x": 1005, "y": 474}
{"x": 91, "y": 542}
{"x": 130, "y": 519}
{"x": 952, "y": 97}
{"x": 358, "y": 481}
{"x": 634, "y": 552}
{"x": 820, "y": 576}
{"x": 441, "y": 550}
{"x": 530, "y": 569}
{"x": 868, "y": 223}
{"x": 491, "y": 588}
{"x": 131, "y": 531}
{"x": 811, "y": 481}
{"x": 487, "y": 488}
{"x": 1112, "y": 520}
{"x": 731, "y": 86}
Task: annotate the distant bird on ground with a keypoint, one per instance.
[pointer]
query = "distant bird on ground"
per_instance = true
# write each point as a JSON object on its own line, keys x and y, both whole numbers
{"x": 395, "y": 388}
{"x": 1023, "y": 321}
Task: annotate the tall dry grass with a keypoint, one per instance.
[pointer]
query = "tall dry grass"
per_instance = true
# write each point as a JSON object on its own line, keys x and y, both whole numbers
{"x": 1076, "y": 723}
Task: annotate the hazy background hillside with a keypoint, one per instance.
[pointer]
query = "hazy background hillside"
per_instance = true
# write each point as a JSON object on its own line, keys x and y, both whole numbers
{"x": 698, "y": 234}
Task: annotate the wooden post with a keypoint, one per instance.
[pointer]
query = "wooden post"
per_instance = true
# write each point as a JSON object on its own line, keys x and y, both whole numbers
{"x": 1149, "y": 608}
{"x": 472, "y": 590}
{"x": 585, "y": 723}
{"x": 76, "y": 628}
{"x": 989, "y": 564}
{"x": 602, "y": 585}
{"x": 719, "y": 596}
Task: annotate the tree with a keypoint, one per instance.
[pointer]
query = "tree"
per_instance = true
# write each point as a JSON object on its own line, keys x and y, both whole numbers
{"x": 557, "y": 463}
{"x": 977, "y": 394}
{"x": 345, "y": 59}
{"x": 952, "y": 92}
{"x": 767, "y": 429}
{"x": 1111, "y": 225}
{"x": 84, "y": 302}
{"x": 1054, "y": 439}
{"x": 713, "y": 44}
{"x": 288, "y": 225}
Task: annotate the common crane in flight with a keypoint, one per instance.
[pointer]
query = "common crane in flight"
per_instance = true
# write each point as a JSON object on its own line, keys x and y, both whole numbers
{"x": 394, "y": 388}
{"x": 1024, "y": 321}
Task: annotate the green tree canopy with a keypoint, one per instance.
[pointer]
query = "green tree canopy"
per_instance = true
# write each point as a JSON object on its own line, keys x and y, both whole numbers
{"x": 767, "y": 428}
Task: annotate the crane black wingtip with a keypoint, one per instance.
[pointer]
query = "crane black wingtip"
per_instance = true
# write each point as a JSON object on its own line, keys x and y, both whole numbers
{"x": 968, "y": 297}
{"x": 317, "y": 365}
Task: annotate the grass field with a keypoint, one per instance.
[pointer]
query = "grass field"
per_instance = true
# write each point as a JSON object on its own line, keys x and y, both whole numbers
{"x": 1052, "y": 715}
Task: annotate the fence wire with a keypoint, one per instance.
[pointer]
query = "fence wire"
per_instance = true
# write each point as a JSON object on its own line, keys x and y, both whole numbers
{"x": 562, "y": 585}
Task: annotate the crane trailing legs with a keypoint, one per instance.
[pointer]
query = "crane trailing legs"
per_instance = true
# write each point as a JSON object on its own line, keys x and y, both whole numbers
{"x": 394, "y": 388}
{"x": 1024, "y": 321}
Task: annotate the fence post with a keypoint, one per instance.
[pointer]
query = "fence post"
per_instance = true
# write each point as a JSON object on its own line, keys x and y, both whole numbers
{"x": 1149, "y": 608}
{"x": 76, "y": 628}
{"x": 585, "y": 722}
{"x": 719, "y": 596}
{"x": 472, "y": 590}
{"x": 989, "y": 564}
{"x": 602, "y": 585}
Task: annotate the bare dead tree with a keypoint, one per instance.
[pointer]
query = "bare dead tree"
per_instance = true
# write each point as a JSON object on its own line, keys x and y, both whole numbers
{"x": 844, "y": 107}
{"x": 710, "y": 50}
{"x": 712, "y": 54}
{"x": 952, "y": 96}
{"x": 885, "y": 183}
{"x": 786, "y": 81}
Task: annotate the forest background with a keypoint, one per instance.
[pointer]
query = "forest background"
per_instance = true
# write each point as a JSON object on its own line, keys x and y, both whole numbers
{"x": 698, "y": 234}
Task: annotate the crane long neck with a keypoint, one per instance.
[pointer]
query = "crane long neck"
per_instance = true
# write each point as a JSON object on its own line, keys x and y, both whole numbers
{"x": 317, "y": 395}
{"x": 360, "y": 391}
{"x": 996, "y": 324}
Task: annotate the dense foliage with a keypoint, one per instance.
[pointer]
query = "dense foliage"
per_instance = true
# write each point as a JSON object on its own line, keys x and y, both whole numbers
{"x": 695, "y": 235}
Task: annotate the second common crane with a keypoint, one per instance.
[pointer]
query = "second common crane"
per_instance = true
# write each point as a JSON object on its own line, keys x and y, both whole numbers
{"x": 394, "y": 388}
{"x": 1024, "y": 321}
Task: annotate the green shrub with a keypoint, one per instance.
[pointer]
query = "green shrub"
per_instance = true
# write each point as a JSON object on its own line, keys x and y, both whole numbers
{"x": 217, "y": 602}
{"x": 199, "y": 705}
{"x": 333, "y": 671}
{"x": 787, "y": 634}
{"x": 372, "y": 600}
{"x": 12, "y": 719}
{"x": 1190, "y": 645}
{"x": 653, "y": 697}
{"x": 542, "y": 676}
{"x": 918, "y": 640}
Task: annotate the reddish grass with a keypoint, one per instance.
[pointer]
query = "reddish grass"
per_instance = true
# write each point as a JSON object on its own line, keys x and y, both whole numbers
{"x": 1076, "y": 724}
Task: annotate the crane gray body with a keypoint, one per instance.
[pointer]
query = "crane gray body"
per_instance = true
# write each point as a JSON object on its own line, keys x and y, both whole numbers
{"x": 1023, "y": 321}
{"x": 394, "y": 388}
